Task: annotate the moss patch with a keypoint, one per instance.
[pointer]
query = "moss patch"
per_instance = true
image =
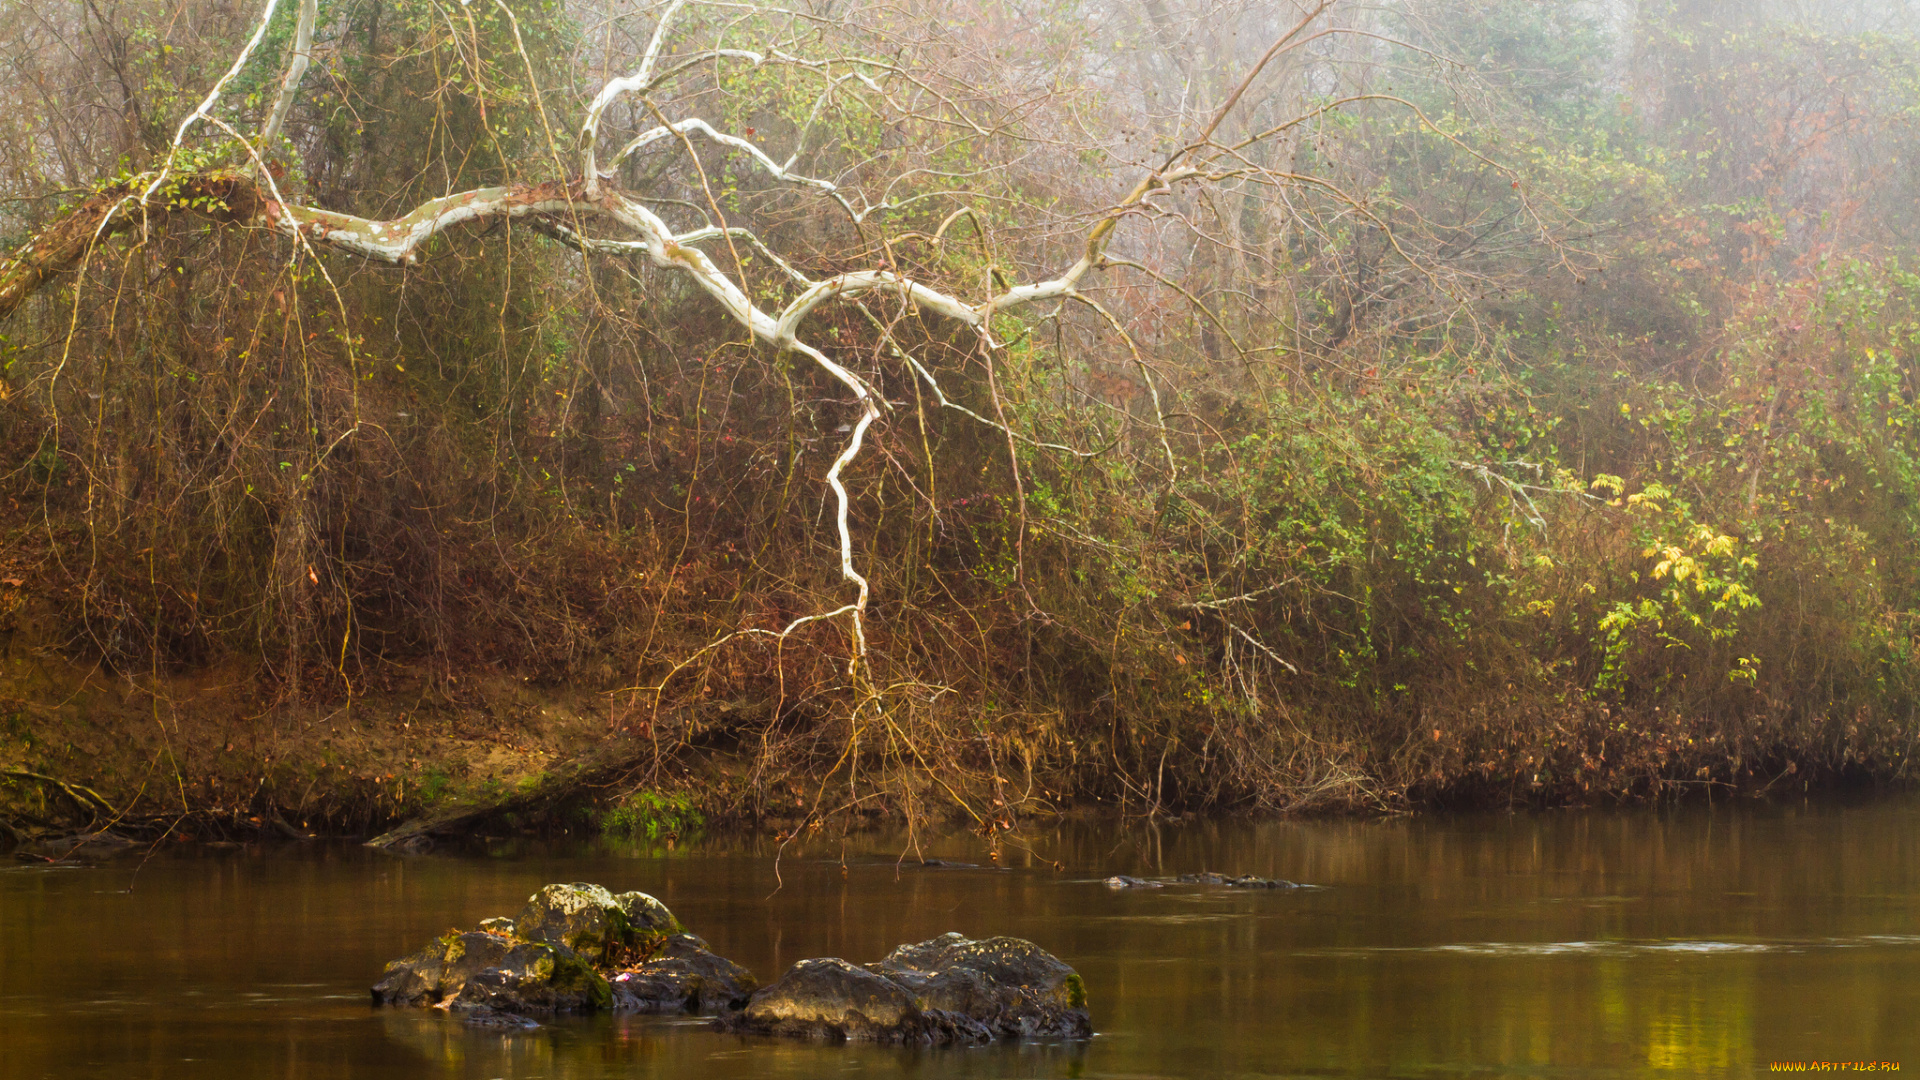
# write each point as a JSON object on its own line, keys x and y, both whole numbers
{"x": 572, "y": 973}
{"x": 1076, "y": 992}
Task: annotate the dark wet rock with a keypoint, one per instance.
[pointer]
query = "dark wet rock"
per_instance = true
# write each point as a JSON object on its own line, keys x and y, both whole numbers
{"x": 559, "y": 982}
{"x": 581, "y": 948}
{"x": 1246, "y": 882}
{"x": 832, "y": 999}
{"x": 684, "y": 975}
{"x": 1011, "y": 985}
{"x": 1122, "y": 881}
{"x": 949, "y": 989}
{"x": 479, "y": 969}
{"x": 1202, "y": 879}
{"x": 489, "y": 1018}
{"x": 557, "y": 956}
{"x": 418, "y": 979}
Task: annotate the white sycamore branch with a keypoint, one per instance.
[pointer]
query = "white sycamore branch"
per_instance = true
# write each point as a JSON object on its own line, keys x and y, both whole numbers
{"x": 552, "y": 206}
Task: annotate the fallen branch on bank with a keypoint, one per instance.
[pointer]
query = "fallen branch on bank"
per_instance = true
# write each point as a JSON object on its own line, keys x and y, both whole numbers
{"x": 563, "y": 207}
{"x": 548, "y": 788}
{"x": 85, "y": 798}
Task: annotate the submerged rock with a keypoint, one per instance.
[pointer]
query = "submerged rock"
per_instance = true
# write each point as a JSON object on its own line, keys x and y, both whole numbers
{"x": 557, "y": 956}
{"x": 488, "y": 1018}
{"x": 1246, "y": 882}
{"x": 949, "y": 989}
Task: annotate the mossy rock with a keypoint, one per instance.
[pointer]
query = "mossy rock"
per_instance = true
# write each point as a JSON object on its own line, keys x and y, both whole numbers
{"x": 600, "y": 927}
{"x": 443, "y": 971}
{"x": 647, "y": 914}
{"x": 556, "y": 957}
{"x": 1076, "y": 991}
{"x": 572, "y": 976}
{"x": 951, "y": 989}
{"x": 1012, "y": 986}
{"x": 830, "y": 999}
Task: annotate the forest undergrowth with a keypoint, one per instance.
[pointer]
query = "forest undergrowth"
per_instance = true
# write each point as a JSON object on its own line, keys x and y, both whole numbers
{"x": 1558, "y": 444}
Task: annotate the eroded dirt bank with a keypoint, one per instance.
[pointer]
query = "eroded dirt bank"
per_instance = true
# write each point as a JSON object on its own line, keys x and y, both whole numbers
{"x": 217, "y": 755}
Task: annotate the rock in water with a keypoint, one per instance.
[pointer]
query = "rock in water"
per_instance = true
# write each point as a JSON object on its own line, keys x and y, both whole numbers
{"x": 487, "y": 1018}
{"x": 1244, "y": 882}
{"x": 1011, "y": 985}
{"x": 482, "y": 968}
{"x": 575, "y": 948}
{"x": 683, "y": 976}
{"x": 832, "y": 999}
{"x": 581, "y": 948}
{"x": 949, "y": 989}
{"x": 594, "y": 923}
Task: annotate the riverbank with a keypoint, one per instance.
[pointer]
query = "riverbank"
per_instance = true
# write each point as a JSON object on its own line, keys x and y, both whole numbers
{"x": 222, "y": 755}
{"x": 214, "y": 756}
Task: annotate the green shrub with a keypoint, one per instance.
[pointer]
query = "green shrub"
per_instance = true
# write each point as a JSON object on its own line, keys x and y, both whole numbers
{"x": 652, "y": 815}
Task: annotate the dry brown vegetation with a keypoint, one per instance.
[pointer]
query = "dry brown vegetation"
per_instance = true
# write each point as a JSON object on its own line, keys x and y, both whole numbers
{"x": 1295, "y": 408}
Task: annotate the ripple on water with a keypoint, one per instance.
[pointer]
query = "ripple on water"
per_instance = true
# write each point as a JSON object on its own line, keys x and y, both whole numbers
{"x": 1625, "y": 948}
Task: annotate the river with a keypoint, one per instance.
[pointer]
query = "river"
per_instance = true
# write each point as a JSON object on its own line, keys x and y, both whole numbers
{"x": 1699, "y": 941}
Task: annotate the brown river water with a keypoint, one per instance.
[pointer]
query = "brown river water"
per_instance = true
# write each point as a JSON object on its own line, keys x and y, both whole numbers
{"x": 1692, "y": 941}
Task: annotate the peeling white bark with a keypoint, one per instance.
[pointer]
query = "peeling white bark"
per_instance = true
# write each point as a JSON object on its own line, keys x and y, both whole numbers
{"x": 290, "y": 83}
{"x": 614, "y": 90}
{"x": 697, "y": 126}
{"x": 204, "y": 109}
{"x": 558, "y": 208}
{"x": 399, "y": 240}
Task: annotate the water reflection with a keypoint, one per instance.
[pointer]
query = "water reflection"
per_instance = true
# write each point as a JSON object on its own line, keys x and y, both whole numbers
{"x": 1586, "y": 944}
